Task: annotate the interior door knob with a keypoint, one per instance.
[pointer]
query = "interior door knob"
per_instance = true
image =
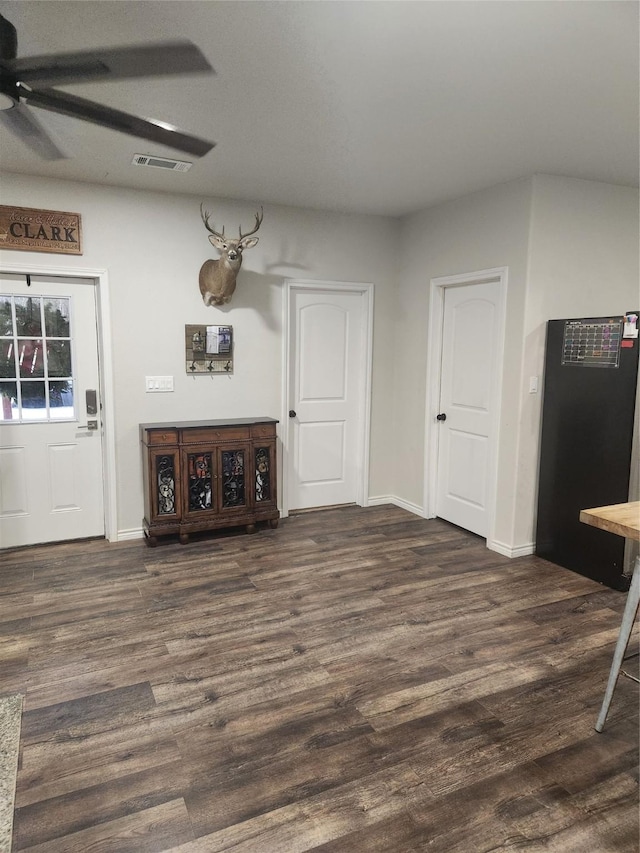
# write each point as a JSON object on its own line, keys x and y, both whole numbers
{"x": 292, "y": 413}
{"x": 441, "y": 417}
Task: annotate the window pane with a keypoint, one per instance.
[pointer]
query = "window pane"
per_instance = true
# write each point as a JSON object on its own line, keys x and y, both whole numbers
{"x": 61, "y": 400}
{"x": 56, "y": 318}
{"x": 28, "y": 320}
{"x": 36, "y": 381}
{"x": 59, "y": 358}
{"x": 8, "y": 401}
{"x": 6, "y": 323}
{"x": 7, "y": 360}
{"x": 30, "y": 358}
{"x": 34, "y": 404}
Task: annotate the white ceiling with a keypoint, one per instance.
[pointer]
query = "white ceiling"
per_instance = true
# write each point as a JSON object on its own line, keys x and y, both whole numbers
{"x": 373, "y": 107}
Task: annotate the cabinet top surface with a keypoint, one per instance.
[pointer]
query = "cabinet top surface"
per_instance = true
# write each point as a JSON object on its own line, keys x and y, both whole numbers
{"x": 213, "y": 423}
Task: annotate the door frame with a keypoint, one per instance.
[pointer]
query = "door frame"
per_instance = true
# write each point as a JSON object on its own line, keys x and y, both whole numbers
{"x": 366, "y": 292}
{"x": 100, "y": 281}
{"x": 434, "y": 373}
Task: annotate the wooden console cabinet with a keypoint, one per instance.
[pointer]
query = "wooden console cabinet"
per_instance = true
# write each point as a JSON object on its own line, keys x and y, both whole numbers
{"x": 203, "y": 475}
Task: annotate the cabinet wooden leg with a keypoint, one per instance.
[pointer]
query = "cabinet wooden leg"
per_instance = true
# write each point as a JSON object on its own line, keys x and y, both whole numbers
{"x": 151, "y": 540}
{"x": 251, "y": 528}
{"x": 184, "y": 538}
{"x": 273, "y": 523}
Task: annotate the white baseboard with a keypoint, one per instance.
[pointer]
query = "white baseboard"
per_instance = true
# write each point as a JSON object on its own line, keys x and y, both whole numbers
{"x": 493, "y": 545}
{"x": 379, "y": 500}
{"x": 134, "y": 533}
{"x": 399, "y": 502}
{"x": 508, "y": 551}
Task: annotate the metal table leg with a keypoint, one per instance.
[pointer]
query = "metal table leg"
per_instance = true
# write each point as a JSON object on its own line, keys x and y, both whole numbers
{"x": 630, "y": 610}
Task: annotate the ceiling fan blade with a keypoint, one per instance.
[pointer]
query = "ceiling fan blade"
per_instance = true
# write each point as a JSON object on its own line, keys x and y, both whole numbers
{"x": 31, "y": 132}
{"x": 155, "y": 131}
{"x": 175, "y": 57}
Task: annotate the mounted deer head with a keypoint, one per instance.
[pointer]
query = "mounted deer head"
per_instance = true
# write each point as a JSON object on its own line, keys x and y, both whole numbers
{"x": 218, "y": 277}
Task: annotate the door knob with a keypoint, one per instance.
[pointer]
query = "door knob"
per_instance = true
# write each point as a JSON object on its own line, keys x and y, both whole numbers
{"x": 441, "y": 417}
{"x": 292, "y": 413}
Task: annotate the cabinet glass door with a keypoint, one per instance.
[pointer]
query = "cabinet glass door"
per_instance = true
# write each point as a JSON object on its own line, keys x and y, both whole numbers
{"x": 264, "y": 475}
{"x": 165, "y": 474}
{"x": 233, "y": 475}
{"x": 198, "y": 477}
{"x": 199, "y": 482}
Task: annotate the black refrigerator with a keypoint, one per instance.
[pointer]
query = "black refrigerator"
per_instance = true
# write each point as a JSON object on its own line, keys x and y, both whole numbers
{"x": 591, "y": 368}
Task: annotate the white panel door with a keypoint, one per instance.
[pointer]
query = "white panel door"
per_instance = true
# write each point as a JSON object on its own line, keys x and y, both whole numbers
{"x": 327, "y": 378}
{"x": 51, "y": 475}
{"x": 467, "y": 421}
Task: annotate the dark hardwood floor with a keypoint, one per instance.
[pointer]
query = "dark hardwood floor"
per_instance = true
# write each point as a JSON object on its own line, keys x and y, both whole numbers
{"x": 358, "y": 680}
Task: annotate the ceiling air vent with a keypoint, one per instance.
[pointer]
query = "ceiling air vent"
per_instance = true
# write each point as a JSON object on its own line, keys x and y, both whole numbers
{"x": 161, "y": 163}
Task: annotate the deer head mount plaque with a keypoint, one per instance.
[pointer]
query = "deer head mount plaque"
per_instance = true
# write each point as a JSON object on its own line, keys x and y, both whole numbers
{"x": 218, "y": 277}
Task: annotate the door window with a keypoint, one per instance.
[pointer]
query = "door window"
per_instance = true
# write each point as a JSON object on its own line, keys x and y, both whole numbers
{"x": 36, "y": 374}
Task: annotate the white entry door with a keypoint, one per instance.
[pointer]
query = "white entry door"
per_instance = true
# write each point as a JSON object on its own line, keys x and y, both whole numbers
{"x": 327, "y": 396}
{"x": 467, "y": 422}
{"x": 51, "y": 475}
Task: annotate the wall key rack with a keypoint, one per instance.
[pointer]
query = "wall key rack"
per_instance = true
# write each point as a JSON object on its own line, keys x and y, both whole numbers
{"x": 208, "y": 349}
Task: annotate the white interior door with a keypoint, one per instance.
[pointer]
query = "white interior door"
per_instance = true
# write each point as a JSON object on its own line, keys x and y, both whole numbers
{"x": 51, "y": 467}
{"x": 327, "y": 382}
{"x": 471, "y": 343}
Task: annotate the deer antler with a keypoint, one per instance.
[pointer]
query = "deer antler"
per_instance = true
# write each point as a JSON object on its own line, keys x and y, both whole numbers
{"x": 259, "y": 217}
{"x": 205, "y": 218}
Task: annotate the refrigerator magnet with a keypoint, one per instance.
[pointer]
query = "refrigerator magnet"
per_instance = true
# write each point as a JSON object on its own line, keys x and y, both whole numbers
{"x": 630, "y": 326}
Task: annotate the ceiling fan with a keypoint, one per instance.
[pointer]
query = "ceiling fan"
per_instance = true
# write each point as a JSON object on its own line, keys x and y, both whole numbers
{"x": 28, "y": 83}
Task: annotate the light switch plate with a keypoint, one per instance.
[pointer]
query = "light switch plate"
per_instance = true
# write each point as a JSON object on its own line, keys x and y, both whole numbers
{"x": 158, "y": 384}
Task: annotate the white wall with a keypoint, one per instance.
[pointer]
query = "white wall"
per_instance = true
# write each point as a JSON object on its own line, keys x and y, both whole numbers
{"x": 152, "y": 246}
{"x": 583, "y": 263}
{"x": 571, "y": 248}
{"x": 481, "y": 231}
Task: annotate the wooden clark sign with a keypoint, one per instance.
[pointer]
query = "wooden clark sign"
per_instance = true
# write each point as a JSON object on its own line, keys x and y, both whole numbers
{"x": 33, "y": 230}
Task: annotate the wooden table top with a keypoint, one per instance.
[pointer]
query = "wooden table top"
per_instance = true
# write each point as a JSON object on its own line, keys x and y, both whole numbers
{"x": 623, "y": 519}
